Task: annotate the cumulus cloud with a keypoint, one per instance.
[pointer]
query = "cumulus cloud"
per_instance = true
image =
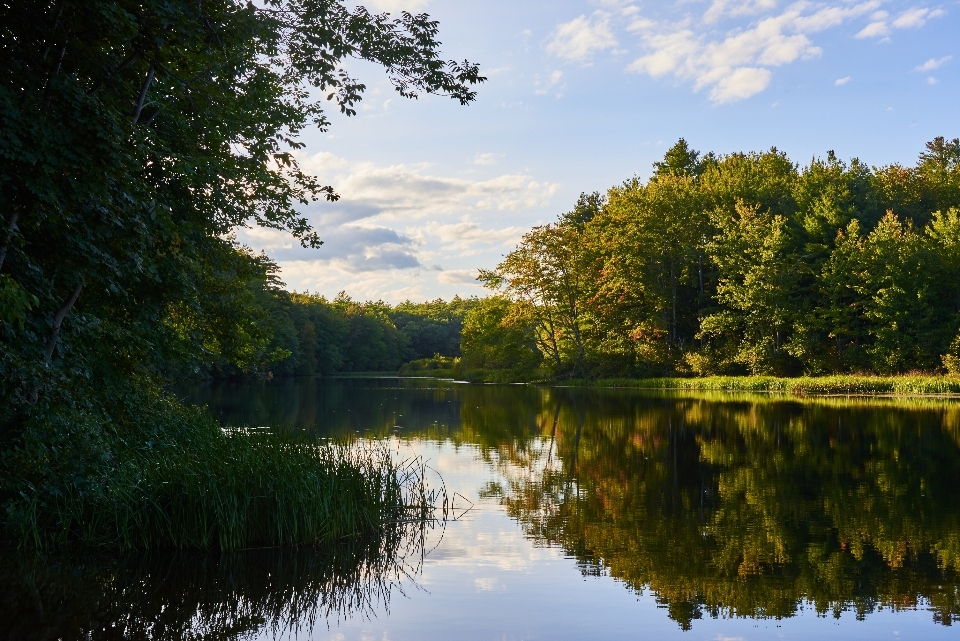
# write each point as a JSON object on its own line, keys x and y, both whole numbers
{"x": 485, "y": 159}
{"x": 933, "y": 63}
{"x": 737, "y": 65}
{"x": 467, "y": 234}
{"x": 732, "y": 8}
{"x": 396, "y": 6}
{"x": 909, "y": 19}
{"x": 406, "y": 192}
{"x": 458, "y": 277}
{"x": 580, "y": 38}
{"x": 841, "y": 81}
{"x": 353, "y": 248}
{"x": 395, "y": 223}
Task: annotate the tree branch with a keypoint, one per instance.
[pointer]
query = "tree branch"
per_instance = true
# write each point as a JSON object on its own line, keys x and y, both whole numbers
{"x": 8, "y": 236}
{"x": 58, "y": 320}
{"x": 143, "y": 93}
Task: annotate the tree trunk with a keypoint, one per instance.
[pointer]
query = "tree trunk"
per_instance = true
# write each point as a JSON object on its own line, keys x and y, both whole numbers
{"x": 673, "y": 287}
{"x": 58, "y": 320}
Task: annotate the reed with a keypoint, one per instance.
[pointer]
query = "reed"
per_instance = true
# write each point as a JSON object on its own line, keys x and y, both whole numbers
{"x": 187, "y": 483}
{"x": 850, "y": 384}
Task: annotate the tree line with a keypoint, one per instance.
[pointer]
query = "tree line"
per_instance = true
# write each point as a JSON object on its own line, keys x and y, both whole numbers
{"x": 745, "y": 263}
{"x": 301, "y": 334}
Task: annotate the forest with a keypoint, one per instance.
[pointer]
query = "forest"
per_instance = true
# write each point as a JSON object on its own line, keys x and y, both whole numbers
{"x": 302, "y": 334}
{"x": 737, "y": 264}
{"x": 744, "y": 263}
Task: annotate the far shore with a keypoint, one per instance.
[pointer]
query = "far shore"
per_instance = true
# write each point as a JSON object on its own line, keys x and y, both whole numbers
{"x": 844, "y": 385}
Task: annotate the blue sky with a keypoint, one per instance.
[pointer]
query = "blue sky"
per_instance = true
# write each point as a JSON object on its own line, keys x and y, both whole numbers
{"x": 585, "y": 94}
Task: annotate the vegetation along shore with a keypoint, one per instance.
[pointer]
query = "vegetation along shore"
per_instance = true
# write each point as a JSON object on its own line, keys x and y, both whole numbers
{"x": 136, "y": 137}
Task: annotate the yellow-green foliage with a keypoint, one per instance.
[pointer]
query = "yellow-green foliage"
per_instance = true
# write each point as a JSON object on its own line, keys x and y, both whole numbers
{"x": 803, "y": 385}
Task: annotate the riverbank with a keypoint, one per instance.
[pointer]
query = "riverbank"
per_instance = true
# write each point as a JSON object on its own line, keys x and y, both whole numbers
{"x": 840, "y": 384}
{"x": 850, "y": 384}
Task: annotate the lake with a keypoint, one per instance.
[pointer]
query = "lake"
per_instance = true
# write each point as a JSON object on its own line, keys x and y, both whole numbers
{"x": 571, "y": 513}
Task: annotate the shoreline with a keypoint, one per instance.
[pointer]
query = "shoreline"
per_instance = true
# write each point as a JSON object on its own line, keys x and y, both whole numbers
{"x": 869, "y": 386}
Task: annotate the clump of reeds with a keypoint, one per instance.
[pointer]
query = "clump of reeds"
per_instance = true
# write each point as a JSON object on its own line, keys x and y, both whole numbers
{"x": 175, "y": 479}
{"x": 906, "y": 384}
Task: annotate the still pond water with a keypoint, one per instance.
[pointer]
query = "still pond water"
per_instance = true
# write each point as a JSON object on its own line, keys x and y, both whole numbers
{"x": 576, "y": 514}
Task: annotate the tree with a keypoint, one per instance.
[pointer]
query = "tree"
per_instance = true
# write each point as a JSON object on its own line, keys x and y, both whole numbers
{"x": 545, "y": 273}
{"x": 137, "y": 134}
{"x": 649, "y": 249}
{"x": 758, "y": 270}
{"x": 496, "y": 338}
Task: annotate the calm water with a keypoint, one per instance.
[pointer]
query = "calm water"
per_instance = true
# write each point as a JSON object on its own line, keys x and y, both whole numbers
{"x": 608, "y": 514}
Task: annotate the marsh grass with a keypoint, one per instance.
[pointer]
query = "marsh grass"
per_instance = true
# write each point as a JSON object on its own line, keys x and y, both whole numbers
{"x": 172, "y": 478}
{"x": 851, "y": 384}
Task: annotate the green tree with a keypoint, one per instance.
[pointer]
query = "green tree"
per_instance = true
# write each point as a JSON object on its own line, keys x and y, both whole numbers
{"x": 137, "y": 134}
{"x": 758, "y": 269}
{"x": 495, "y": 337}
{"x": 545, "y": 273}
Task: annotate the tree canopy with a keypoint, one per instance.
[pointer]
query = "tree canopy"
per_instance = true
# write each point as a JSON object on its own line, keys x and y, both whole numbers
{"x": 748, "y": 263}
{"x": 135, "y": 136}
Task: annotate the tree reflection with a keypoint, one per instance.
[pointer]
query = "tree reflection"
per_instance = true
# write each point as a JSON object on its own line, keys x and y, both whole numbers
{"x": 718, "y": 504}
{"x": 749, "y": 508}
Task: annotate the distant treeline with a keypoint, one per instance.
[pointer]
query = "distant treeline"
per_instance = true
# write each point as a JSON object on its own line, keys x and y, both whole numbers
{"x": 734, "y": 264}
{"x": 304, "y": 334}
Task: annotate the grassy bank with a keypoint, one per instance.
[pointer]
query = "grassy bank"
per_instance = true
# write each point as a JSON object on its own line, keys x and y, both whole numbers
{"x": 172, "y": 478}
{"x": 800, "y": 386}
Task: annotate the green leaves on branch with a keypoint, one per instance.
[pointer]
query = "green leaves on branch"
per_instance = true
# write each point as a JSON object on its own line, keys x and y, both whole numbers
{"x": 747, "y": 263}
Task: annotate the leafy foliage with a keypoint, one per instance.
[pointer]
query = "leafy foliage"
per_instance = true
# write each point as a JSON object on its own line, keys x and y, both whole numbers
{"x": 135, "y": 137}
{"x": 747, "y": 263}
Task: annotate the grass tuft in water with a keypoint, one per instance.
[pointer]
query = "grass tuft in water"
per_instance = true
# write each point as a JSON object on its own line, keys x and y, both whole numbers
{"x": 172, "y": 478}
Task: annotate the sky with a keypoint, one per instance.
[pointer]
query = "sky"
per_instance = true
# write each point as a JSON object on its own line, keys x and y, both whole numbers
{"x": 584, "y": 94}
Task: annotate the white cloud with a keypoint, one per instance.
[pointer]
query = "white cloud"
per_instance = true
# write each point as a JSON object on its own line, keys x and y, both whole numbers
{"x": 933, "y": 63}
{"x": 915, "y": 18}
{"x": 485, "y": 159}
{"x": 873, "y": 30}
{"x": 458, "y": 277}
{"x": 467, "y": 234}
{"x": 580, "y": 38}
{"x": 396, "y": 6}
{"x": 546, "y": 84}
{"x": 932, "y": 81}
{"x": 738, "y": 65}
{"x": 406, "y": 192}
{"x": 841, "y": 81}
{"x": 732, "y": 8}
{"x": 910, "y": 19}
{"x": 394, "y": 224}
{"x": 739, "y": 84}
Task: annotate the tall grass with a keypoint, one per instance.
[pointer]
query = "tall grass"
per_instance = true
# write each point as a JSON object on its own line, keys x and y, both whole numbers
{"x": 174, "y": 479}
{"x": 850, "y": 384}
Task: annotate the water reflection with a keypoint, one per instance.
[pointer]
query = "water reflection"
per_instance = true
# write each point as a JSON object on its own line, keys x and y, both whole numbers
{"x": 717, "y": 505}
{"x": 191, "y": 596}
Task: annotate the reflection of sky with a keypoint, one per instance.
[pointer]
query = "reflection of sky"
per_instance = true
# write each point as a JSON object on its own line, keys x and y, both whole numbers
{"x": 484, "y": 580}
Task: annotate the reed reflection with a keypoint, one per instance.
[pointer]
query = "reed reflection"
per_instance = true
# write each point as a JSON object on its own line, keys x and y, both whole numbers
{"x": 193, "y": 596}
